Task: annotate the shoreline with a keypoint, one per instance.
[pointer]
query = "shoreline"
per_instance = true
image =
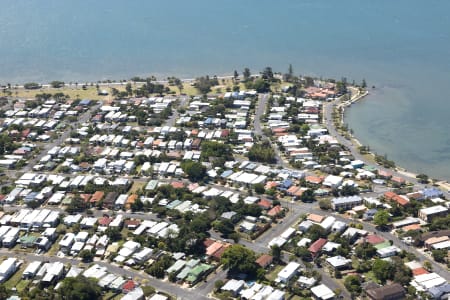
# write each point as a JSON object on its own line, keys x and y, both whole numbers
{"x": 356, "y": 143}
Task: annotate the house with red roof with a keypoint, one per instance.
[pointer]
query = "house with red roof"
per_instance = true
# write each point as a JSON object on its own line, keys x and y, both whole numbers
{"x": 177, "y": 184}
{"x": 265, "y": 204}
{"x": 97, "y": 196}
{"x": 374, "y": 239}
{"x": 317, "y": 246}
{"x": 128, "y": 286}
{"x": 264, "y": 260}
{"x": 275, "y": 211}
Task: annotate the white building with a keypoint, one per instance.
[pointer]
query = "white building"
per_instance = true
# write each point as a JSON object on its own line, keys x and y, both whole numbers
{"x": 288, "y": 272}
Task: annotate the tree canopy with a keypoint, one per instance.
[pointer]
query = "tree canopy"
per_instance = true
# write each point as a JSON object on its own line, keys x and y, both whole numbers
{"x": 262, "y": 153}
{"x": 381, "y": 218}
{"x": 239, "y": 259}
{"x": 80, "y": 288}
{"x": 194, "y": 170}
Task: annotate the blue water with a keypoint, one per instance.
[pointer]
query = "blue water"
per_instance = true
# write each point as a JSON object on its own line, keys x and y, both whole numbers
{"x": 402, "y": 47}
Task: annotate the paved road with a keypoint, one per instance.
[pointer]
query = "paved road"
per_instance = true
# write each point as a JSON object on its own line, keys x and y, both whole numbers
{"x": 175, "y": 114}
{"x": 258, "y": 128}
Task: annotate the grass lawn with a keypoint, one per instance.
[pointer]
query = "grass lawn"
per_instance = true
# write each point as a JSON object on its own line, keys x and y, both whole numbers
{"x": 14, "y": 280}
{"x": 55, "y": 247}
{"x": 272, "y": 275}
{"x": 22, "y": 285}
{"x": 136, "y": 186}
{"x": 72, "y": 92}
{"x": 112, "y": 295}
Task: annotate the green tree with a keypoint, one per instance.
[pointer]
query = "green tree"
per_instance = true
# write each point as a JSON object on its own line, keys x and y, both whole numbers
{"x": 325, "y": 204}
{"x": 439, "y": 255}
{"x": 129, "y": 89}
{"x": 225, "y": 227}
{"x": 32, "y": 86}
{"x": 316, "y": 231}
{"x": 382, "y": 270}
{"x": 113, "y": 233}
{"x": 57, "y": 84}
{"x": 353, "y": 284}
{"x": 86, "y": 256}
{"x": 381, "y": 218}
{"x": 275, "y": 251}
{"x": 194, "y": 170}
{"x": 365, "y": 251}
{"x": 246, "y": 74}
{"x": 259, "y": 188}
{"x": 261, "y": 86}
{"x": 239, "y": 259}
{"x": 79, "y": 288}
{"x": 423, "y": 178}
{"x": 308, "y": 196}
{"x": 262, "y": 153}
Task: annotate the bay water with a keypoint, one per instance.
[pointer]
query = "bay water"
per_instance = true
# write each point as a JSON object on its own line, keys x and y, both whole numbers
{"x": 401, "y": 47}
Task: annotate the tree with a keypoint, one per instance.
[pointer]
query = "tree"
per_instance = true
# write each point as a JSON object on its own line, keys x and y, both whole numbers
{"x": 79, "y": 288}
{"x": 259, "y": 188}
{"x": 138, "y": 205}
{"x": 246, "y": 74}
{"x": 308, "y": 196}
{"x": 225, "y": 227}
{"x": 275, "y": 251}
{"x": 218, "y": 284}
{"x": 381, "y": 218}
{"x": 353, "y": 284}
{"x": 262, "y": 153}
{"x": 261, "y": 86}
{"x": 325, "y": 204}
{"x": 113, "y": 233}
{"x": 365, "y": 251}
{"x": 235, "y": 75}
{"x": 129, "y": 89}
{"x": 57, "y": 84}
{"x": 316, "y": 231}
{"x": 239, "y": 259}
{"x": 349, "y": 190}
{"x": 382, "y": 270}
{"x": 363, "y": 84}
{"x": 303, "y": 253}
{"x": 32, "y": 86}
{"x": 267, "y": 74}
{"x": 439, "y": 255}
{"x": 194, "y": 170}
{"x": 86, "y": 256}
{"x": 423, "y": 178}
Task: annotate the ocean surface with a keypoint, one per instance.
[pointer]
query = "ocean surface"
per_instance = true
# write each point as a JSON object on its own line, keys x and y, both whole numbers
{"x": 401, "y": 47}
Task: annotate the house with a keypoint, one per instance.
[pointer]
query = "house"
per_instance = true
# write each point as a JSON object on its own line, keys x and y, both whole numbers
{"x": 345, "y": 203}
{"x": 264, "y": 260}
{"x": 388, "y": 251}
{"x": 31, "y": 270}
{"x": 65, "y": 244}
{"x": 234, "y": 286}
{"x": 427, "y": 214}
{"x": 7, "y": 268}
{"x": 316, "y": 247}
{"x": 306, "y": 282}
{"x": 288, "y": 272}
{"x": 338, "y": 262}
{"x": 393, "y": 291}
{"x": 322, "y": 292}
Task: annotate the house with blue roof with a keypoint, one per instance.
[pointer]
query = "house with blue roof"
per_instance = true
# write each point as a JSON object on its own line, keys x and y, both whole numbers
{"x": 432, "y": 193}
